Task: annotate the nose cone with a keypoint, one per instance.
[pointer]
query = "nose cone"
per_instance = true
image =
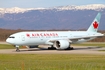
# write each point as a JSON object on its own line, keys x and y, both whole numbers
{"x": 8, "y": 40}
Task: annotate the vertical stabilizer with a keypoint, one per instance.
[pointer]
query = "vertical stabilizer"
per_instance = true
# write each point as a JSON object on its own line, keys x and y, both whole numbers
{"x": 95, "y": 24}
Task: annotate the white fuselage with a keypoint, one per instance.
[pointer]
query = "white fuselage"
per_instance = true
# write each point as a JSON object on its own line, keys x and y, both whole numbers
{"x": 39, "y": 38}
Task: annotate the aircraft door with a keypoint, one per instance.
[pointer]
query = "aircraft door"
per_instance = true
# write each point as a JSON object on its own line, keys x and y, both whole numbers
{"x": 23, "y": 38}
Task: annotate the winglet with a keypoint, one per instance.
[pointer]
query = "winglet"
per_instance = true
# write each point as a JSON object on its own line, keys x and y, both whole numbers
{"x": 95, "y": 24}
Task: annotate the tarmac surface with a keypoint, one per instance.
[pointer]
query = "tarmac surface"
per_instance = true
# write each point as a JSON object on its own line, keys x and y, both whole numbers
{"x": 77, "y": 50}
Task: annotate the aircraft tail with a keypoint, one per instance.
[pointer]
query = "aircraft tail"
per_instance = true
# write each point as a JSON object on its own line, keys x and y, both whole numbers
{"x": 95, "y": 24}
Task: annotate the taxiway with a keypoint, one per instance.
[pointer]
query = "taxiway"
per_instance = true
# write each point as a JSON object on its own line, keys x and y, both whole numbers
{"x": 77, "y": 50}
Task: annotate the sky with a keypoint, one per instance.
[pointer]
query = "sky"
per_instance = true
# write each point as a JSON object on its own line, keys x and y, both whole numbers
{"x": 45, "y": 3}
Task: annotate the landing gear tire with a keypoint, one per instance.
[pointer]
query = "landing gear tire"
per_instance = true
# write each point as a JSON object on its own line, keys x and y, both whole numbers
{"x": 17, "y": 49}
{"x": 69, "y": 48}
{"x": 51, "y": 48}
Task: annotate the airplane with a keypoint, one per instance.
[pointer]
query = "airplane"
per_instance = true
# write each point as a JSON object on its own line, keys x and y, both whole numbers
{"x": 56, "y": 39}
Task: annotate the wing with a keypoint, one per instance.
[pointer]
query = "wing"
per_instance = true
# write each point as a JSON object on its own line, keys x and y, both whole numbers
{"x": 76, "y": 38}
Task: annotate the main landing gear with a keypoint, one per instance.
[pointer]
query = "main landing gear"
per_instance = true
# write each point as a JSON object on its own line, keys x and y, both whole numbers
{"x": 51, "y": 48}
{"x": 69, "y": 48}
{"x": 17, "y": 48}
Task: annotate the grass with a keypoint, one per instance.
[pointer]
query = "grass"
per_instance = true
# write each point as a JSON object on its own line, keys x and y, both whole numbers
{"x": 90, "y": 44}
{"x": 6, "y": 46}
{"x": 51, "y": 62}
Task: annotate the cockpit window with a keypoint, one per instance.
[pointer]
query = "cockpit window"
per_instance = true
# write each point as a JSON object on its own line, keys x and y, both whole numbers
{"x": 11, "y": 37}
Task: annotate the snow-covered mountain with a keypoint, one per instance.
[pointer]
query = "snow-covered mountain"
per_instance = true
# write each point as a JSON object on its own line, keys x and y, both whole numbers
{"x": 96, "y": 7}
{"x": 17, "y": 10}
{"x": 63, "y": 17}
{"x": 82, "y": 7}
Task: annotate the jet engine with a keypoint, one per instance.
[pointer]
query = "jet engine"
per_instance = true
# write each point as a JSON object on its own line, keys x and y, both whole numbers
{"x": 62, "y": 44}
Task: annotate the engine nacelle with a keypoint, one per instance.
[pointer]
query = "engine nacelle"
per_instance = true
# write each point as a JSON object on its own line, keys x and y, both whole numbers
{"x": 62, "y": 44}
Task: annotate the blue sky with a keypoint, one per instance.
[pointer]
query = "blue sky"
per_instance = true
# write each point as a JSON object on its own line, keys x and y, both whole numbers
{"x": 45, "y": 3}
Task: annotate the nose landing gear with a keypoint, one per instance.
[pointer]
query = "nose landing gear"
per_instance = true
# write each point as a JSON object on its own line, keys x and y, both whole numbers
{"x": 17, "y": 48}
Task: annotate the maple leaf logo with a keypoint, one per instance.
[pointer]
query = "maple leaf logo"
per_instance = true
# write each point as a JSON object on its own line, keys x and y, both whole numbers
{"x": 28, "y": 35}
{"x": 95, "y": 25}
